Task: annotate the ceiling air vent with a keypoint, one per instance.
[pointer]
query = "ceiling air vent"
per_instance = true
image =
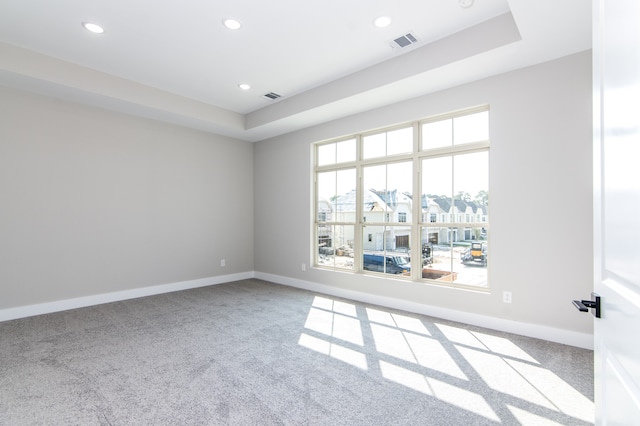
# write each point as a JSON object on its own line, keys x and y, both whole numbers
{"x": 272, "y": 96}
{"x": 404, "y": 41}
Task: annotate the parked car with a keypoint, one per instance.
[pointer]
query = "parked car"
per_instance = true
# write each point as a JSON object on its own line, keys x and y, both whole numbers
{"x": 390, "y": 264}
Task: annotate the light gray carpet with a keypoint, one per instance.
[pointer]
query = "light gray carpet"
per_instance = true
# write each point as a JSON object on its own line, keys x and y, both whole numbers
{"x": 256, "y": 353}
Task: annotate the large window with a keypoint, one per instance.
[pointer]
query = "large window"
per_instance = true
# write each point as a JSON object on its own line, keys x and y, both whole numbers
{"x": 412, "y": 201}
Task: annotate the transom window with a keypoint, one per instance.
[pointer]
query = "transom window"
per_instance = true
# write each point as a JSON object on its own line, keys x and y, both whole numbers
{"x": 410, "y": 201}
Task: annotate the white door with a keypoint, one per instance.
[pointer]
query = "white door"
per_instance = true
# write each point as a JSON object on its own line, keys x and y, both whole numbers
{"x": 616, "y": 51}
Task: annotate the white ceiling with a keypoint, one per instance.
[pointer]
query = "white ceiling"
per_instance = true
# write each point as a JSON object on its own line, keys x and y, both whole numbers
{"x": 175, "y": 61}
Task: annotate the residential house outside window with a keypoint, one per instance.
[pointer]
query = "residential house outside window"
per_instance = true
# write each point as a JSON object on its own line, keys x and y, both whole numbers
{"x": 415, "y": 173}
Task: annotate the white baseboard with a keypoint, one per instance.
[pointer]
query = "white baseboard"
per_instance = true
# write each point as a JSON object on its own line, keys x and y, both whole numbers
{"x": 572, "y": 338}
{"x": 567, "y": 337}
{"x": 98, "y": 299}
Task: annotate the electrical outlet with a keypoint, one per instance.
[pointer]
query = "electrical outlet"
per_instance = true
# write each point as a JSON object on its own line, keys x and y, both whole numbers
{"x": 223, "y": 263}
{"x": 304, "y": 267}
{"x": 506, "y": 297}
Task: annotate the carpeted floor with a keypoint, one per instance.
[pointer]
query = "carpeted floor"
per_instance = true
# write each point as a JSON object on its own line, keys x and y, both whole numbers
{"x": 256, "y": 353}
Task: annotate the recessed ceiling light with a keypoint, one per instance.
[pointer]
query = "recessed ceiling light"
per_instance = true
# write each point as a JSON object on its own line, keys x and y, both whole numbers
{"x": 244, "y": 86}
{"x": 382, "y": 21}
{"x": 465, "y": 3}
{"x": 232, "y": 24}
{"x": 94, "y": 28}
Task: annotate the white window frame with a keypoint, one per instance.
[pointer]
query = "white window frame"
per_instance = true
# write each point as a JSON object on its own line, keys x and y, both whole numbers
{"x": 418, "y": 219}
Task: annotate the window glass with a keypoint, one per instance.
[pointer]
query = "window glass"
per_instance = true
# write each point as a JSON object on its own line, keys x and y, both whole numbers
{"x": 400, "y": 141}
{"x": 393, "y": 142}
{"x": 387, "y": 249}
{"x": 471, "y": 128}
{"x": 437, "y": 134}
{"x": 374, "y": 146}
{"x": 335, "y": 246}
{"x": 471, "y": 180}
{"x": 326, "y": 154}
{"x": 437, "y": 184}
{"x": 455, "y": 255}
{"x": 336, "y": 194}
{"x": 365, "y": 221}
{"x": 387, "y": 188}
{"x": 337, "y": 152}
{"x": 456, "y": 131}
{"x": 346, "y": 151}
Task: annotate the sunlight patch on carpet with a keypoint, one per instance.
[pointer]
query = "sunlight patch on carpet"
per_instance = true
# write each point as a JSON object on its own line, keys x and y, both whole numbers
{"x": 333, "y": 350}
{"x": 450, "y": 394}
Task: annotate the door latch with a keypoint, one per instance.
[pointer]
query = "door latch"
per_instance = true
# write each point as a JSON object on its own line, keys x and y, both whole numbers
{"x": 585, "y": 305}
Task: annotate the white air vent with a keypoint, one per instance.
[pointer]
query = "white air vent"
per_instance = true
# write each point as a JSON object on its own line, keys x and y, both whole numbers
{"x": 404, "y": 41}
{"x": 272, "y": 96}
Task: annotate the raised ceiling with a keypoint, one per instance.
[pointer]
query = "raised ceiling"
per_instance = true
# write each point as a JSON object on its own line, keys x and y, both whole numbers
{"x": 175, "y": 61}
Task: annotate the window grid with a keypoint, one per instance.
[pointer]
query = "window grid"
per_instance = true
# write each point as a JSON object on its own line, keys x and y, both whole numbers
{"x": 423, "y": 226}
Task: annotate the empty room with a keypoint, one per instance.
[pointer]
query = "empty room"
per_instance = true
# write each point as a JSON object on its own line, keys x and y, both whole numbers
{"x": 336, "y": 213}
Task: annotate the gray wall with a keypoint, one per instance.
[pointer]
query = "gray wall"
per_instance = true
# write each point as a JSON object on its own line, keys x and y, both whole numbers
{"x": 94, "y": 202}
{"x": 540, "y": 186}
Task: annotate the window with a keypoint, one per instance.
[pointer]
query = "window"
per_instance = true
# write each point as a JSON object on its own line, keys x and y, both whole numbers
{"x": 336, "y": 191}
{"x": 335, "y": 153}
{"x": 411, "y": 200}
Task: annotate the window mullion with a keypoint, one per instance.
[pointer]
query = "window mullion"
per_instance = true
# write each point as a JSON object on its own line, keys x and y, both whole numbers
{"x": 358, "y": 223}
{"x": 416, "y": 208}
